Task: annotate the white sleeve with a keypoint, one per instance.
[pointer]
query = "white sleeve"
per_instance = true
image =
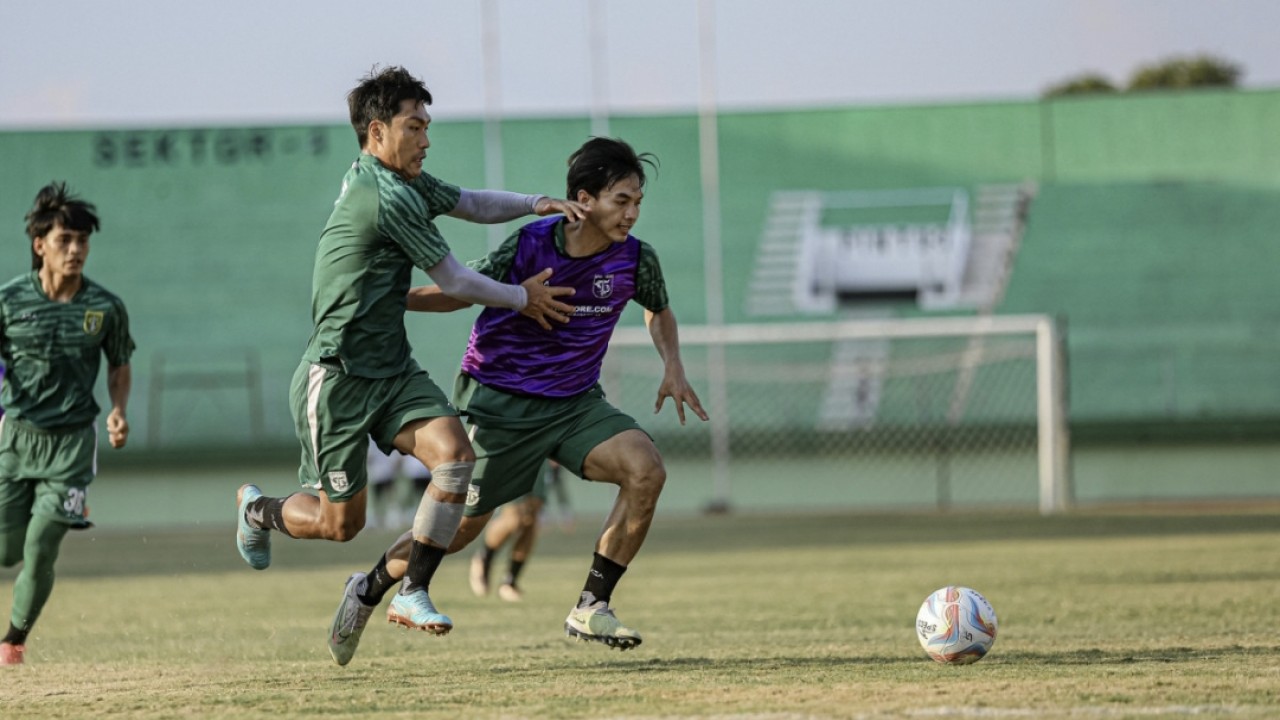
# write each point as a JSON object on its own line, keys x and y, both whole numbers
{"x": 459, "y": 281}
{"x": 493, "y": 206}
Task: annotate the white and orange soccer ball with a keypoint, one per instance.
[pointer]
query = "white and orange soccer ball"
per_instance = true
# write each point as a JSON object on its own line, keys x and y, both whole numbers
{"x": 956, "y": 625}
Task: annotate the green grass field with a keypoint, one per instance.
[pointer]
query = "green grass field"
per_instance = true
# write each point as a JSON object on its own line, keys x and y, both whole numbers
{"x": 745, "y": 616}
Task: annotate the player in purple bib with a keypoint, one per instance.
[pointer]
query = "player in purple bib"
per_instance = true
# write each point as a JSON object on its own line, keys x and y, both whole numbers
{"x": 506, "y": 353}
{"x": 530, "y": 393}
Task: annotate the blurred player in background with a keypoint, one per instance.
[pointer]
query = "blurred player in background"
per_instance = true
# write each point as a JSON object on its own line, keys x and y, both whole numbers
{"x": 386, "y": 503}
{"x": 530, "y": 394}
{"x": 56, "y": 325}
{"x": 358, "y": 377}
{"x": 518, "y": 522}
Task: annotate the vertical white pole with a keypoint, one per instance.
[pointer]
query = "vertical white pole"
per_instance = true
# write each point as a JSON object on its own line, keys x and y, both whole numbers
{"x": 493, "y": 159}
{"x": 713, "y": 274}
{"x": 598, "y": 42}
{"x": 1055, "y": 481}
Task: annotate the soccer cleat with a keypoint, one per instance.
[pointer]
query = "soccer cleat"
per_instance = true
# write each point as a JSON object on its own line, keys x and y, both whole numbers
{"x": 597, "y": 622}
{"x": 253, "y": 543}
{"x": 11, "y": 654}
{"x": 415, "y": 611}
{"x": 479, "y": 575}
{"x": 349, "y": 621}
{"x": 510, "y": 593}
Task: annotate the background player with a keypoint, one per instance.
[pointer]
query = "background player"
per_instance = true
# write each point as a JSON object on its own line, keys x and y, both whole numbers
{"x": 530, "y": 394}
{"x": 357, "y": 377}
{"x": 56, "y": 325}
{"x": 519, "y": 523}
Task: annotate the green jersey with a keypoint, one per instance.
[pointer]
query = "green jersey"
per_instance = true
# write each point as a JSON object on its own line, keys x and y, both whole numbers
{"x": 52, "y": 350}
{"x": 381, "y": 227}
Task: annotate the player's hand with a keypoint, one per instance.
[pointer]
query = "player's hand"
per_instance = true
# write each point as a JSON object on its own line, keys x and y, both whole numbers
{"x": 117, "y": 429}
{"x": 573, "y": 211}
{"x": 543, "y": 306}
{"x": 675, "y": 386}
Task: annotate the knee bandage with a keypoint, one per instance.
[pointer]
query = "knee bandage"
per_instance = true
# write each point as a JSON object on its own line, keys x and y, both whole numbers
{"x": 438, "y": 521}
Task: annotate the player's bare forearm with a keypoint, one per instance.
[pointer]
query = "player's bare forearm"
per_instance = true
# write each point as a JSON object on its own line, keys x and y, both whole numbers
{"x": 429, "y": 298}
{"x": 666, "y": 338}
{"x": 119, "y": 384}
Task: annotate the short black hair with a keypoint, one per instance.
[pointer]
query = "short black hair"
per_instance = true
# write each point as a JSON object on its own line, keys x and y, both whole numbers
{"x": 55, "y": 205}
{"x": 379, "y": 95}
{"x": 601, "y": 162}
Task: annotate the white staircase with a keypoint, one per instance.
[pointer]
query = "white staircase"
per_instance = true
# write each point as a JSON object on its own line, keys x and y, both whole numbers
{"x": 777, "y": 285}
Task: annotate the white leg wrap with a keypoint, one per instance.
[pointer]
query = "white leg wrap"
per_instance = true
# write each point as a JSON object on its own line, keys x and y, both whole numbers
{"x": 439, "y": 521}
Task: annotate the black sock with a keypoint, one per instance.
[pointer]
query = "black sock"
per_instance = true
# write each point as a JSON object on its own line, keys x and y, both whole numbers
{"x": 423, "y": 561}
{"x": 15, "y": 636}
{"x": 486, "y": 559}
{"x": 604, "y": 576}
{"x": 513, "y": 572}
{"x": 267, "y": 513}
{"x": 377, "y": 583}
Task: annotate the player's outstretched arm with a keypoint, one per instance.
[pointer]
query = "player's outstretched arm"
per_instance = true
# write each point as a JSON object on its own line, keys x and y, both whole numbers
{"x": 666, "y": 338}
{"x": 531, "y": 298}
{"x": 498, "y": 206}
{"x": 119, "y": 383}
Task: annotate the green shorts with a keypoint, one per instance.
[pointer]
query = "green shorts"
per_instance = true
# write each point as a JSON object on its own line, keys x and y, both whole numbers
{"x": 514, "y": 435}
{"x": 335, "y": 414}
{"x": 45, "y": 473}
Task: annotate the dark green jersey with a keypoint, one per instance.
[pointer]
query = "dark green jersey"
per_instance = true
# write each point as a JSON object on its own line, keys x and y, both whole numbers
{"x": 651, "y": 287}
{"x": 52, "y": 350}
{"x": 381, "y": 227}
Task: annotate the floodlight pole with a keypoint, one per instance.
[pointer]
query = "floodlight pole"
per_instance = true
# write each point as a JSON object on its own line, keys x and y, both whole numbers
{"x": 713, "y": 273}
{"x": 493, "y": 160}
{"x": 599, "y": 68}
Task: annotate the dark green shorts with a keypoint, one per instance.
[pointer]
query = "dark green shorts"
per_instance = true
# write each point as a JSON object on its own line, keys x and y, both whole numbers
{"x": 45, "y": 473}
{"x": 335, "y": 414}
{"x": 514, "y": 435}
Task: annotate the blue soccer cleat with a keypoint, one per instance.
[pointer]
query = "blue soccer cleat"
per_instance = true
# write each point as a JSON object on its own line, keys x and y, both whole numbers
{"x": 253, "y": 543}
{"x": 416, "y": 612}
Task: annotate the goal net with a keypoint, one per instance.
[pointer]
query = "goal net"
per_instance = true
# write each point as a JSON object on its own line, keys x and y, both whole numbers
{"x": 933, "y": 412}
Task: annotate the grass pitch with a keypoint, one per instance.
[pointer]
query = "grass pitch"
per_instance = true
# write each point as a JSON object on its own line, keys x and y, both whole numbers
{"x": 807, "y": 616}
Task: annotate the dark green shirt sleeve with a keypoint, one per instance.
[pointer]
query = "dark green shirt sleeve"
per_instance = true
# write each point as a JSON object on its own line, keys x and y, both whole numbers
{"x": 118, "y": 345}
{"x": 651, "y": 287}
{"x": 441, "y": 196}
{"x": 497, "y": 264}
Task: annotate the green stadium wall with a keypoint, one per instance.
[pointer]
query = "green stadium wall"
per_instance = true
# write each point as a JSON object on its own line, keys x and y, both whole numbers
{"x": 209, "y": 233}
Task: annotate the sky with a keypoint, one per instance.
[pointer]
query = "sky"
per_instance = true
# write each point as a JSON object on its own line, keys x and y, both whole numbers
{"x": 164, "y": 63}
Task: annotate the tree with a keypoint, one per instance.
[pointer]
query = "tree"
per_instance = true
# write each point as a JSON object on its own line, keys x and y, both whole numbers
{"x": 1186, "y": 72}
{"x": 1086, "y": 84}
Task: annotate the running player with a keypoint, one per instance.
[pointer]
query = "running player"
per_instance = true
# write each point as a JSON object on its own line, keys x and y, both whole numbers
{"x": 56, "y": 325}
{"x": 530, "y": 394}
{"x": 357, "y": 377}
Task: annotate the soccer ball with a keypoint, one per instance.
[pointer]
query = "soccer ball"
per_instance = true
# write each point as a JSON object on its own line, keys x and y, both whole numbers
{"x": 956, "y": 625}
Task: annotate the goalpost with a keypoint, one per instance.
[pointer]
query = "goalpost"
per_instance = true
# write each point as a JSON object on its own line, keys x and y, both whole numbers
{"x": 948, "y": 412}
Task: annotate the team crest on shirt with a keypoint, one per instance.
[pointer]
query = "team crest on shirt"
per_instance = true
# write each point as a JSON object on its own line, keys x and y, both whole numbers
{"x": 602, "y": 286}
{"x": 473, "y": 495}
{"x": 93, "y": 321}
{"x": 338, "y": 481}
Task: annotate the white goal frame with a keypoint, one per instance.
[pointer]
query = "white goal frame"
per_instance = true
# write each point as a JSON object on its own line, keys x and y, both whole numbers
{"x": 1053, "y": 442}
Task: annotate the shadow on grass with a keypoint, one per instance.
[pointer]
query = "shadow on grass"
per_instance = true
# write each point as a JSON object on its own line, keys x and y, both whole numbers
{"x": 786, "y": 664}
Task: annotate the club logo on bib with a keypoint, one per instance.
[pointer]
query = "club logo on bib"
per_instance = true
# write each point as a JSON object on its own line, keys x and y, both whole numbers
{"x": 338, "y": 480}
{"x": 93, "y": 321}
{"x": 602, "y": 286}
